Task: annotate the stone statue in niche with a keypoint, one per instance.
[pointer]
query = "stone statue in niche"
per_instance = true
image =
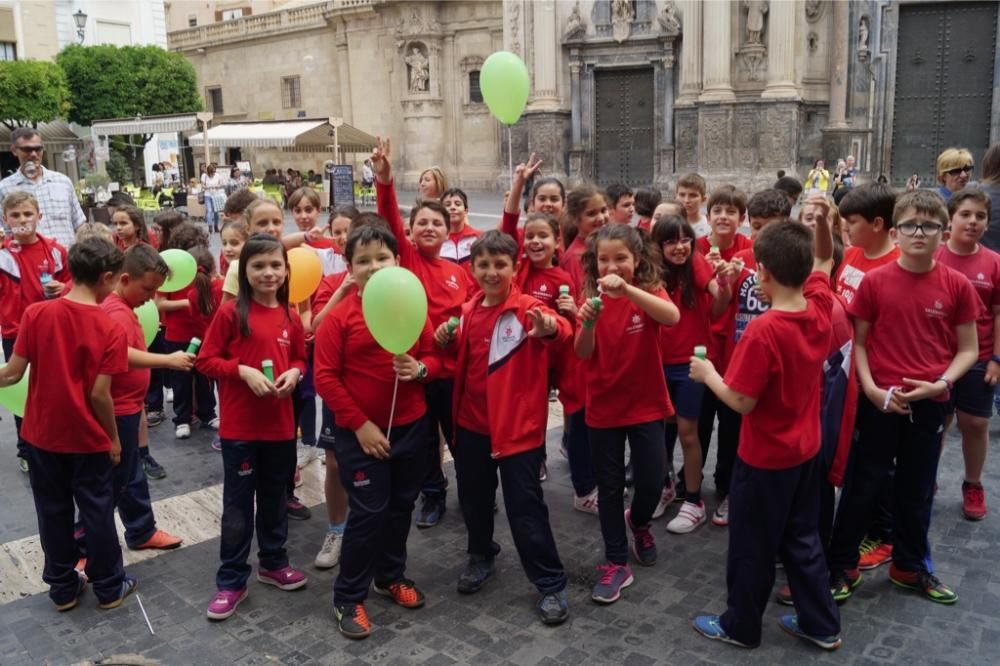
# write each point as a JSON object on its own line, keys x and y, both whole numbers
{"x": 863, "y": 36}
{"x": 755, "y": 20}
{"x": 622, "y": 15}
{"x": 669, "y": 23}
{"x": 419, "y": 70}
{"x": 575, "y": 27}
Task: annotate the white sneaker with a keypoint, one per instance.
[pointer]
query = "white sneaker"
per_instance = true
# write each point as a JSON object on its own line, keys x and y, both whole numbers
{"x": 688, "y": 518}
{"x": 587, "y": 503}
{"x": 329, "y": 554}
{"x": 183, "y": 431}
{"x": 667, "y": 496}
{"x": 169, "y": 395}
{"x": 305, "y": 455}
{"x": 213, "y": 424}
{"x": 721, "y": 515}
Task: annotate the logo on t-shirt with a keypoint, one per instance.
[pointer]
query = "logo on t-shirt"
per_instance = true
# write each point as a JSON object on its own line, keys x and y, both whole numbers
{"x": 360, "y": 480}
{"x": 850, "y": 280}
{"x": 544, "y": 289}
{"x": 749, "y": 304}
{"x": 245, "y": 469}
{"x": 937, "y": 312}
{"x": 451, "y": 282}
{"x": 636, "y": 325}
{"x": 283, "y": 340}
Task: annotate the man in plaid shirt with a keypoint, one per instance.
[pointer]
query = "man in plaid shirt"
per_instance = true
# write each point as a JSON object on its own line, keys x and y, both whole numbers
{"x": 61, "y": 211}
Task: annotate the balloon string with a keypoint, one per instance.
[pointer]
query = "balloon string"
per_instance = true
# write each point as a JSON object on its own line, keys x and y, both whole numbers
{"x": 510, "y": 158}
{"x": 392, "y": 409}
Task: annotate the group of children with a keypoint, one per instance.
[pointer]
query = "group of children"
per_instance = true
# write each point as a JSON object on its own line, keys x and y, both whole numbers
{"x": 626, "y": 320}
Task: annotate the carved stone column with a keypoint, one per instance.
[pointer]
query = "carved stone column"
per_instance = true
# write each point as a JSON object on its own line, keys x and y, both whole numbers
{"x": 545, "y": 60}
{"x": 838, "y": 66}
{"x": 718, "y": 54}
{"x": 575, "y": 108}
{"x": 690, "y": 81}
{"x": 781, "y": 42}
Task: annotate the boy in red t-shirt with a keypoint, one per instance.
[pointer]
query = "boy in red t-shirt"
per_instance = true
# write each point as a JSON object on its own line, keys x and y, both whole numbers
{"x": 915, "y": 336}
{"x": 726, "y": 208}
{"x": 69, "y": 425}
{"x": 774, "y": 380}
{"x": 32, "y": 268}
{"x": 503, "y": 346}
{"x": 866, "y": 212}
{"x": 621, "y": 203}
{"x": 969, "y": 209}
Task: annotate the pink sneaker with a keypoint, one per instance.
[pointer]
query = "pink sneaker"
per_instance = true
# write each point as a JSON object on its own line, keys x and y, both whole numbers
{"x": 225, "y": 602}
{"x": 285, "y": 578}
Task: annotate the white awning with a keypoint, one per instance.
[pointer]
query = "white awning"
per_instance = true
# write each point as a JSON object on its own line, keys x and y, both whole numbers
{"x": 56, "y": 133}
{"x": 297, "y": 135}
{"x": 180, "y": 122}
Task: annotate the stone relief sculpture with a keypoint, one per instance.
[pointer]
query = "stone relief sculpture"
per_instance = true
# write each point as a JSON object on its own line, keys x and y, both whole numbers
{"x": 575, "y": 27}
{"x": 669, "y": 23}
{"x": 755, "y": 20}
{"x": 622, "y": 15}
{"x": 419, "y": 70}
{"x": 814, "y": 9}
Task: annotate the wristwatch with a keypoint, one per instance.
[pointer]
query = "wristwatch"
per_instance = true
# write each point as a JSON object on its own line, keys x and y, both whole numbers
{"x": 947, "y": 382}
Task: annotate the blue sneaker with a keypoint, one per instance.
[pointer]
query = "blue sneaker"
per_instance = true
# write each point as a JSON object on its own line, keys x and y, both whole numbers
{"x": 431, "y": 511}
{"x": 790, "y": 623}
{"x": 553, "y": 608}
{"x": 709, "y": 627}
{"x": 479, "y": 570}
{"x": 643, "y": 543}
{"x": 614, "y": 579}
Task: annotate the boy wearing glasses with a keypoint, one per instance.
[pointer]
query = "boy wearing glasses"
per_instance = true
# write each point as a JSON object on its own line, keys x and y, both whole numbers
{"x": 915, "y": 336}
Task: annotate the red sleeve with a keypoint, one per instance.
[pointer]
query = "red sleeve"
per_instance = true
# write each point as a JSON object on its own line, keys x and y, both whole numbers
{"x": 213, "y": 357}
{"x": 328, "y": 367}
{"x": 24, "y": 343}
{"x": 508, "y": 225}
{"x": 996, "y": 284}
{"x": 817, "y": 289}
{"x": 701, "y": 272}
{"x": 328, "y": 286}
{"x": 751, "y": 365}
{"x": 115, "y": 359}
{"x": 388, "y": 207}
{"x": 969, "y": 303}
{"x": 63, "y": 275}
{"x": 861, "y": 306}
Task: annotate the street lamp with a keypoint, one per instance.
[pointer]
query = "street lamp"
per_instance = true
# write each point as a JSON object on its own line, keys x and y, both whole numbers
{"x": 81, "y": 24}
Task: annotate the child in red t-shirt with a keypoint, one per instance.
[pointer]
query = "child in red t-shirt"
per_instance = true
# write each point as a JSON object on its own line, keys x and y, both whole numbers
{"x": 969, "y": 209}
{"x": 646, "y": 201}
{"x": 726, "y": 208}
{"x": 69, "y": 428}
{"x": 915, "y": 336}
{"x": 586, "y": 212}
{"x": 380, "y": 437}
{"x": 866, "y": 212}
{"x": 130, "y": 228}
{"x": 626, "y": 392}
{"x": 700, "y": 292}
{"x": 32, "y": 269}
{"x": 448, "y": 286}
{"x": 255, "y": 349}
{"x": 503, "y": 345}
{"x": 774, "y": 379}
{"x": 461, "y": 234}
{"x": 621, "y": 203}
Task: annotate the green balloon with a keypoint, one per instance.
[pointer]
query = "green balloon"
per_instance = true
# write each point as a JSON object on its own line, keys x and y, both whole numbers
{"x": 394, "y": 304}
{"x": 149, "y": 319}
{"x": 505, "y": 85}
{"x": 15, "y": 396}
{"x": 182, "y": 270}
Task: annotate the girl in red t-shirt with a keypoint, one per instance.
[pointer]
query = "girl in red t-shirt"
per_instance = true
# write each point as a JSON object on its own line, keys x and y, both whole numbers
{"x": 234, "y": 234}
{"x": 130, "y": 228}
{"x": 700, "y": 292}
{"x": 626, "y": 392}
{"x": 586, "y": 212}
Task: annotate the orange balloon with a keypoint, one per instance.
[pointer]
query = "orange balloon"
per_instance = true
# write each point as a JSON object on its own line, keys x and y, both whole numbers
{"x": 305, "y": 273}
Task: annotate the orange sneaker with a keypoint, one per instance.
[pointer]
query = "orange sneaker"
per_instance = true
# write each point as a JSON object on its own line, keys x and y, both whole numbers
{"x": 404, "y": 592}
{"x": 874, "y": 554}
{"x": 81, "y": 568}
{"x": 161, "y": 541}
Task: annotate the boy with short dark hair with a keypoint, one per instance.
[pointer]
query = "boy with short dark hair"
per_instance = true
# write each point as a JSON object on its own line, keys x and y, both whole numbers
{"x": 500, "y": 411}
{"x": 866, "y": 212}
{"x": 766, "y": 206}
{"x": 915, "y": 336}
{"x": 646, "y": 201}
{"x": 69, "y": 425}
{"x": 692, "y": 192}
{"x": 790, "y": 187}
{"x": 774, "y": 380}
{"x": 726, "y": 208}
{"x": 621, "y": 203}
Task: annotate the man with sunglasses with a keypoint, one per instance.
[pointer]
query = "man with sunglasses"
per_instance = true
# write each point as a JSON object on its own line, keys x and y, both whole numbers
{"x": 61, "y": 211}
{"x": 954, "y": 169}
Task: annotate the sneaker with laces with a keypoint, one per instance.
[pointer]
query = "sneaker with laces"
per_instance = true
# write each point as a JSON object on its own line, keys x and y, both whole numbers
{"x": 224, "y": 603}
{"x": 667, "y": 496}
{"x": 973, "y": 501}
{"x": 709, "y": 627}
{"x": 404, "y": 592}
{"x": 923, "y": 582}
{"x": 614, "y": 578}
{"x": 873, "y": 554}
{"x": 160, "y": 541}
{"x": 329, "y": 553}
{"x": 155, "y": 417}
{"x": 286, "y": 578}
{"x": 296, "y": 509}
{"x": 128, "y": 587}
{"x": 721, "y": 515}
{"x": 643, "y": 543}
{"x": 587, "y": 503}
{"x": 304, "y": 455}
{"x": 843, "y": 584}
{"x": 553, "y": 608}
{"x": 182, "y": 431}
{"x": 477, "y": 571}
{"x": 81, "y": 568}
{"x": 81, "y": 585}
{"x": 688, "y": 519}
{"x": 153, "y": 469}
{"x": 352, "y": 620}
{"x": 790, "y": 623}
{"x": 431, "y": 510}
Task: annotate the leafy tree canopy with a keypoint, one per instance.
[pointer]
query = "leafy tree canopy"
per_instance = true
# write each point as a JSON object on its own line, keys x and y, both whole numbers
{"x": 32, "y": 92}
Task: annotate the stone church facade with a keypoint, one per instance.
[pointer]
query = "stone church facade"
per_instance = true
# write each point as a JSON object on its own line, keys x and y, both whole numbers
{"x": 637, "y": 91}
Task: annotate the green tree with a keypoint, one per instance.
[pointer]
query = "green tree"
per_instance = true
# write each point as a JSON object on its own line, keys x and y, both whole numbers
{"x": 32, "y": 92}
{"x": 124, "y": 82}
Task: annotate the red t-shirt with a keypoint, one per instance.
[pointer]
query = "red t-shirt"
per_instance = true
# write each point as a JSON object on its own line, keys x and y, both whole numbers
{"x": 779, "y": 362}
{"x": 128, "y": 389}
{"x": 275, "y": 334}
{"x": 625, "y": 383}
{"x": 181, "y": 326}
{"x": 328, "y": 286}
{"x": 855, "y": 266}
{"x": 68, "y": 344}
{"x": 354, "y": 375}
{"x": 473, "y": 413}
{"x": 677, "y": 342}
{"x": 20, "y": 278}
{"x": 740, "y": 242}
{"x": 200, "y": 321}
{"x": 544, "y": 283}
{"x": 982, "y": 268}
{"x": 572, "y": 262}
{"x": 913, "y": 318}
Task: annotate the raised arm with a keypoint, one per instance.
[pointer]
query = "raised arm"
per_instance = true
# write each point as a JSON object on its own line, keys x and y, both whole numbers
{"x": 385, "y": 200}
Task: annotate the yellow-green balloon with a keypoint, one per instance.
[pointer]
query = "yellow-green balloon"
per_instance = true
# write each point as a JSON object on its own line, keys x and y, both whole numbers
{"x": 505, "y": 85}
{"x": 182, "y": 269}
{"x": 394, "y": 305}
{"x": 15, "y": 396}
{"x": 149, "y": 319}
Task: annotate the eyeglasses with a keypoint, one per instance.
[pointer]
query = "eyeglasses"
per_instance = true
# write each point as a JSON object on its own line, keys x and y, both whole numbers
{"x": 925, "y": 228}
{"x": 680, "y": 241}
{"x": 31, "y": 149}
{"x": 957, "y": 171}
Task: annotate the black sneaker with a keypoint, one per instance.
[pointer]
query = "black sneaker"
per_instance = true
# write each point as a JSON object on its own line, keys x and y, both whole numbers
{"x": 297, "y": 510}
{"x": 431, "y": 511}
{"x": 352, "y": 620}
{"x": 554, "y": 608}
{"x": 128, "y": 587}
{"x": 153, "y": 469}
{"x": 155, "y": 417}
{"x": 477, "y": 572}
{"x": 81, "y": 585}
